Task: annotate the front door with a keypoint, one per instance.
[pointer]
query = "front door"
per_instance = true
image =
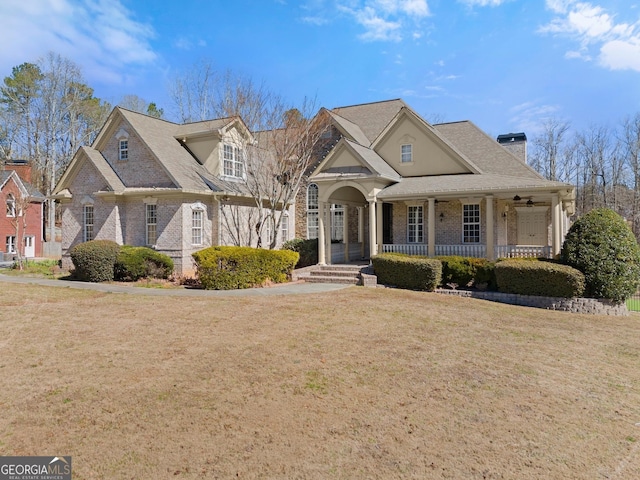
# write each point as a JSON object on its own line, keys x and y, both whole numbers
{"x": 532, "y": 226}
{"x": 29, "y": 247}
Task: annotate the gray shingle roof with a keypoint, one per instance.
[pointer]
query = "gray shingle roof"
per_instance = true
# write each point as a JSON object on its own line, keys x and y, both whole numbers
{"x": 467, "y": 184}
{"x": 33, "y": 192}
{"x": 372, "y": 118}
{"x": 487, "y": 154}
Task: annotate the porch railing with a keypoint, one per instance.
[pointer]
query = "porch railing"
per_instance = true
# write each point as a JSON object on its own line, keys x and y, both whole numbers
{"x": 479, "y": 251}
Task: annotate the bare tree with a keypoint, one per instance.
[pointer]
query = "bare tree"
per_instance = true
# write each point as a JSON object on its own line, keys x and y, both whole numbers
{"x": 548, "y": 147}
{"x": 631, "y": 144}
{"x": 277, "y": 154}
{"x": 139, "y": 104}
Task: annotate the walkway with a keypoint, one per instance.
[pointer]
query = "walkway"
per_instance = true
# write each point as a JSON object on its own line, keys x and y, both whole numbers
{"x": 297, "y": 288}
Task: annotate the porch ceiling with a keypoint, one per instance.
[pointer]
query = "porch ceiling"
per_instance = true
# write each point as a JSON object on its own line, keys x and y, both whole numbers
{"x": 472, "y": 184}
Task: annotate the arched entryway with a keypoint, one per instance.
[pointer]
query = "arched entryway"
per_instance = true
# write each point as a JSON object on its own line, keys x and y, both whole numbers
{"x": 345, "y": 235}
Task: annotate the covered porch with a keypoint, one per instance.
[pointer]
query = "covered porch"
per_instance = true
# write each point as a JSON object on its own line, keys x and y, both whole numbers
{"x": 499, "y": 225}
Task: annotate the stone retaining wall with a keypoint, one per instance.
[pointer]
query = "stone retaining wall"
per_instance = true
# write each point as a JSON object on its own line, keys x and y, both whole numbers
{"x": 574, "y": 305}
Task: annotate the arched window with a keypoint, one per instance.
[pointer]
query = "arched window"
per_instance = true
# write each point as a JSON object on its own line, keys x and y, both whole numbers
{"x": 312, "y": 211}
{"x": 197, "y": 223}
{"x": 11, "y": 205}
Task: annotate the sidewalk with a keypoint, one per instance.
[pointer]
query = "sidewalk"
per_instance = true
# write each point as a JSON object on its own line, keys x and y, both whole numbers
{"x": 296, "y": 288}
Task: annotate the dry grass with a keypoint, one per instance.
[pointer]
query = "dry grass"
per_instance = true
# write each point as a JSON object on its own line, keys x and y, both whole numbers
{"x": 362, "y": 383}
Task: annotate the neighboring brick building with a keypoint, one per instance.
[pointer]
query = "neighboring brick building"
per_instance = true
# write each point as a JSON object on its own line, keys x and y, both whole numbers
{"x": 21, "y": 223}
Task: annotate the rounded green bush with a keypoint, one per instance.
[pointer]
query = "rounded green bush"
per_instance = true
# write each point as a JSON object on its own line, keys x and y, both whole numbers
{"x": 308, "y": 250}
{"x": 602, "y": 246}
{"x": 544, "y": 279}
{"x": 227, "y": 268}
{"x": 94, "y": 260}
{"x": 410, "y": 272}
{"x": 134, "y": 263}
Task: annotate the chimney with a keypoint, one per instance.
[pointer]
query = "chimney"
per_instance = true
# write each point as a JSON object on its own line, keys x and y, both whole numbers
{"x": 22, "y": 168}
{"x": 516, "y": 143}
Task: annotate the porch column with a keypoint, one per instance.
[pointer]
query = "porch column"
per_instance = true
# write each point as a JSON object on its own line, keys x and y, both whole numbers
{"x": 345, "y": 233}
{"x": 327, "y": 233}
{"x": 379, "y": 227}
{"x": 373, "y": 247}
{"x": 361, "y": 230}
{"x": 556, "y": 229}
{"x": 490, "y": 228}
{"x": 431, "y": 228}
{"x": 321, "y": 238}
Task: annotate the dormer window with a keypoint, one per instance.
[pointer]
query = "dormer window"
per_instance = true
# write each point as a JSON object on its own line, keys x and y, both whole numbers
{"x": 124, "y": 149}
{"x": 406, "y": 153}
{"x": 233, "y": 162}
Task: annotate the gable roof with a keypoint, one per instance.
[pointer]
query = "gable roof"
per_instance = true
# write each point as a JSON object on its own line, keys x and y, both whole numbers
{"x": 371, "y": 118}
{"x": 489, "y": 156}
{"x": 162, "y": 138}
{"x": 26, "y": 187}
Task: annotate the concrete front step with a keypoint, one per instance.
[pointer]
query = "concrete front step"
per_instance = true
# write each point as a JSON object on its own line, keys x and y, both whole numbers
{"x": 332, "y": 279}
{"x": 335, "y": 273}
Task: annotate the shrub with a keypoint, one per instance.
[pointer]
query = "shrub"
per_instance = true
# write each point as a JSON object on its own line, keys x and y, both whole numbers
{"x": 601, "y": 245}
{"x": 308, "y": 250}
{"x": 539, "y": 278}
{"x": 405, "y": 271}
{"x": 467, "y": 271}
{"x": 134, "y": 263}
{"x": 94, "y": 260}
{"x": 226, "y": 268}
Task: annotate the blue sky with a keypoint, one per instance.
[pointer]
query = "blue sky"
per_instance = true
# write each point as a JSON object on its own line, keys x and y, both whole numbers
{"x": 504, "y": 64}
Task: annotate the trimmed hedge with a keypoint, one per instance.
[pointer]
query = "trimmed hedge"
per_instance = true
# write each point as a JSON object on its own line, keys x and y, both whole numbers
{"x": 94, "y": 260}
{"x": 227, "y": 268}
{"x": 602, "y": 246}
{"x": 544, "y": 279}
{"x": 308, "y": 250}
{"x": 467, "y": 271}
{"x": 134, "y": 263}
{"x": 405, "y": 271}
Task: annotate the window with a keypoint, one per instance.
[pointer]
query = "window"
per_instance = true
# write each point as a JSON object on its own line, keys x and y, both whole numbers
{"x": 233, "y": 162}
{"x": 11, "y": 205}
{"x": 337, "y": 223}
{"x": 312, "y": 211}
{"x": 415, "y": 224}
{"x": 124, "y": 150}
{"x": 152, "y": 223}
{"x": 284, "y": 226}
{"x": 406, "y": 153}
{"x": 196, "y": 227}
{"x": 11, "y": 244}
{"x": 471, "y": 223}
{"x": 87, "y": 222}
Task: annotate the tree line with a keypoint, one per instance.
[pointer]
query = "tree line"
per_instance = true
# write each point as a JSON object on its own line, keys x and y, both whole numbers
{"x": 603, "y": 162}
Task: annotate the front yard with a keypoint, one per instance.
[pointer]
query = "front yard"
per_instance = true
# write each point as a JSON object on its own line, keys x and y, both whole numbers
{"x": 360, "y": 383}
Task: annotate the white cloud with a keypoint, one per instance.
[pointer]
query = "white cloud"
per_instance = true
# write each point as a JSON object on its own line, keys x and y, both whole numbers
{"x": 621, "y": 55}
{"x": 483, "y": 3}
{"x": 99, "y": 35}
{"x": 616, "y": 45}
{"x": 529, "y": 116}
{"x": 385, "y": 20}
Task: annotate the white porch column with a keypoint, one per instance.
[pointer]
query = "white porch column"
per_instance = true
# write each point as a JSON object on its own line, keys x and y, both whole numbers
{"x": 361, "y": 230}
{"x": 379, "y": 221}
{"x": 373, "y": 247}
{"x": 321, "y": 238}
{"x": 556, "y": 228}
{"x": 490, "y": 228}
{"x": 345, "y": 233}
{"x": 431, "y": 228}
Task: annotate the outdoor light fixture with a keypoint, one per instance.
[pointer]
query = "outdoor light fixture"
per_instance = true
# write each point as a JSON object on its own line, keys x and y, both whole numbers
{"x": 441, "y": 216}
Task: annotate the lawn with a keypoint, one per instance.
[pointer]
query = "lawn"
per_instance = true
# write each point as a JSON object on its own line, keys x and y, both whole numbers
{"x": 359, "y": 383}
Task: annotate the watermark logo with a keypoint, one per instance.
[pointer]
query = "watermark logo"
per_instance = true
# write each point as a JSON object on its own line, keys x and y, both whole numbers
{"x": 35, "y": 468}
